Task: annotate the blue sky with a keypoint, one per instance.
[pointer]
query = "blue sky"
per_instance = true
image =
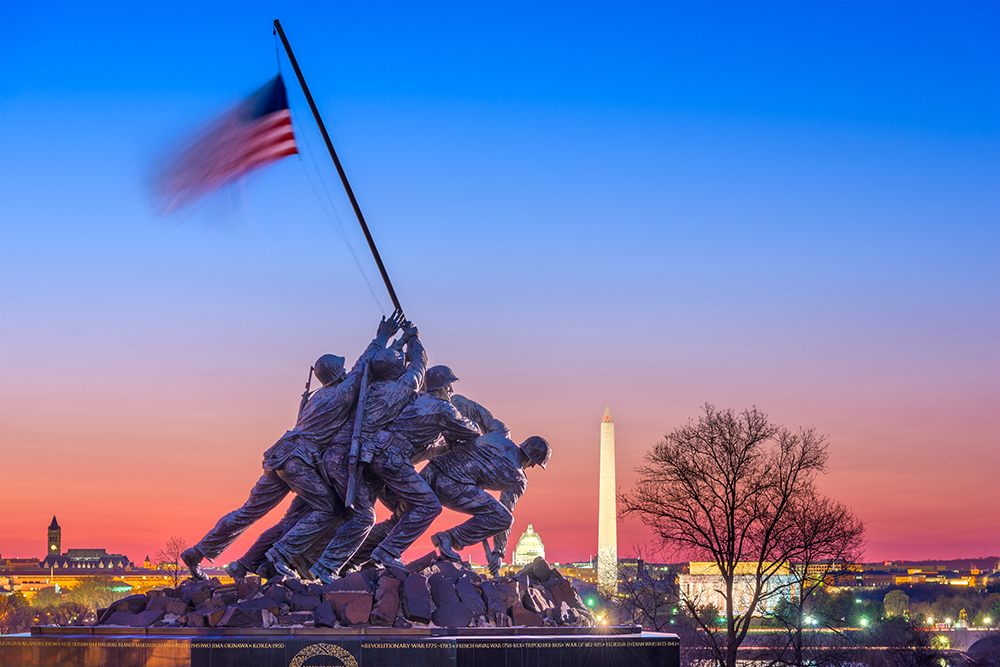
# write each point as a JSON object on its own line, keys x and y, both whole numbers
{"x": 641, "y": 205}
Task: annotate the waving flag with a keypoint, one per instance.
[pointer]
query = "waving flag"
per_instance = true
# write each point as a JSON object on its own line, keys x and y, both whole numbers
{"x": 258, "y": 131}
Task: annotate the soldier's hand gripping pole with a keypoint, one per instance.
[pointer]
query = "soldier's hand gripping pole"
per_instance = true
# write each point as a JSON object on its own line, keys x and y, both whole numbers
{"x": 352, "y": 455}
{"x": 305, "y": 394}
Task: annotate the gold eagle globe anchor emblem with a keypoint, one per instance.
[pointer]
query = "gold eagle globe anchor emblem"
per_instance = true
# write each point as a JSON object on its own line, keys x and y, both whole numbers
{"x": 342, "y": 657}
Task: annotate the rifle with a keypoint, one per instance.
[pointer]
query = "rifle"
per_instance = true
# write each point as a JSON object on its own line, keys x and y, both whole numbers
{"x": 305, "y": 394}
{"x": 489, "y": 552}
{"x": 352, "y": 456}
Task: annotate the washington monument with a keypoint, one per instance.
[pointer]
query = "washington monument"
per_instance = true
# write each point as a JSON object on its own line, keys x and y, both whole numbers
{"x": 607, "y": 528}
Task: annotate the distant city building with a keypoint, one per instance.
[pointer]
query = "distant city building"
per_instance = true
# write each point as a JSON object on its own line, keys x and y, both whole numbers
{"x": 529, "y": 547}
{"x": 79, "y": 559}
{"x": 703, "y": 584}
{"x": 88, "y": 559}
{"x": 55, "y": 538}
{"x": 19, "y": 563}
{"x": 637, "y": 567}
{"x": 607, "y": 510}
{"x": 64, "y": 571}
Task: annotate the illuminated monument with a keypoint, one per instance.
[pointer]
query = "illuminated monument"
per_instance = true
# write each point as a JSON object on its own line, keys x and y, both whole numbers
{"x": 529, "y": 547}
{"x": 607, "y": 527}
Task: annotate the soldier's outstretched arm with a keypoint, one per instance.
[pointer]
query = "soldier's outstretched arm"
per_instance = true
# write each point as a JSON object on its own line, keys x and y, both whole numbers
{"x": 455, "y": 428}
{"x": 479, "y": 415}
{"x": 387, "y": 328}
{"x": 413, "y": 377}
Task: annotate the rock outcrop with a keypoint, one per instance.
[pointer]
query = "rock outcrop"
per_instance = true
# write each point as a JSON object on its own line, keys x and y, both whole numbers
{"x": 432, "y": 592}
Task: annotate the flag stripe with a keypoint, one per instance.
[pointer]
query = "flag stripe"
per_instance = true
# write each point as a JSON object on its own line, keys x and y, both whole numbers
{"x": 257, "y": 132}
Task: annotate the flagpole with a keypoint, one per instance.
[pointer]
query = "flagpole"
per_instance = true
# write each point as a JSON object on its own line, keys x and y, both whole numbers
{"x": 340, "y": 169}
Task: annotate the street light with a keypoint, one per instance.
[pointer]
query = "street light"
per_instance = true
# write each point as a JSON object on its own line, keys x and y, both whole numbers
{"x": 864, "y": 622}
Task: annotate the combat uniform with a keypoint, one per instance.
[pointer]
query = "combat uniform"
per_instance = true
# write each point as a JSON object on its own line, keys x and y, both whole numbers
{"x": 385, "y": 400}
{"x": 461, "y": 476}
{"x": 290, "y": 464}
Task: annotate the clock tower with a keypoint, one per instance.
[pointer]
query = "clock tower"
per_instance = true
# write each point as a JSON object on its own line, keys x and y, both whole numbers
{"x": 55, "y": 539}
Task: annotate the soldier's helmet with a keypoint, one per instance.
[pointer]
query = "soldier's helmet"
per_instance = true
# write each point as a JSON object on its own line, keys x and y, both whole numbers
{"x": 387, "y": 365}
{"x": 537, "y": 449}
{"x": 329, "y": 369}
{"x": 437, "y": 377}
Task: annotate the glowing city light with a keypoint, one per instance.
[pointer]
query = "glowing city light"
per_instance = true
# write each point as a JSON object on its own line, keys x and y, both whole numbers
{"x": 864, "y": 622}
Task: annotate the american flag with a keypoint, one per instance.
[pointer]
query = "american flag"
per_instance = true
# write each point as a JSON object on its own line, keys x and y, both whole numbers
{"x": 258, "y": 131}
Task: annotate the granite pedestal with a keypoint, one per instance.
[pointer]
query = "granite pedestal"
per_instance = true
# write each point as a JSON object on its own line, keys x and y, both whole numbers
{"x": 361, "y": 647}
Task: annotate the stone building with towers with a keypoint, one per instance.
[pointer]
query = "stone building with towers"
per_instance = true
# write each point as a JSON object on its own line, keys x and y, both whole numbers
{"x": 79, "y": 559}
{"x": 607, "y": 526}
{"x": 63, "y": 571}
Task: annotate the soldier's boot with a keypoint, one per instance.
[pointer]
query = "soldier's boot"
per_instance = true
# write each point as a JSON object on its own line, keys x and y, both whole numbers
{"x": 323, "y": 574}
{"x": 266, "y": 571}
{"x": 302, "y": 569}
{"x": 387, "y": 560}
{"x": 192, "y": 558}
{"x": 444, "y": 544}
{"x": 279, "y": 563}
{"x": 236, "y": 570}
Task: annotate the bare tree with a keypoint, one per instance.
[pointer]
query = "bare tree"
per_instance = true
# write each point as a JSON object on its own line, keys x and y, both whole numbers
{"x": 731, "y": 488}
{"x": 168, "y": 558}
{"x": 829, "y": 538}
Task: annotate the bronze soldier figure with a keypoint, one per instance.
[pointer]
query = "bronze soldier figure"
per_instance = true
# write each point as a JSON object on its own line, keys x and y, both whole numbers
{"x": 290, "y": 464}
{"x": 462, "y": 476}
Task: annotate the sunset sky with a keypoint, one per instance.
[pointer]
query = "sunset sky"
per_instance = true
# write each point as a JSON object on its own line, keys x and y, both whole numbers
{"x": 646, "y": 207}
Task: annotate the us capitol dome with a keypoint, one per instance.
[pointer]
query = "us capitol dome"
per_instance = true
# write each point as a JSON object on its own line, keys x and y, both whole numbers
{"x": 529, "y": 547}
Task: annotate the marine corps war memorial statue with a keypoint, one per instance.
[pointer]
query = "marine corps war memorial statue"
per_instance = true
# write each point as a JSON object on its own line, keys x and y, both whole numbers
{"x": 326, "y": 583}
